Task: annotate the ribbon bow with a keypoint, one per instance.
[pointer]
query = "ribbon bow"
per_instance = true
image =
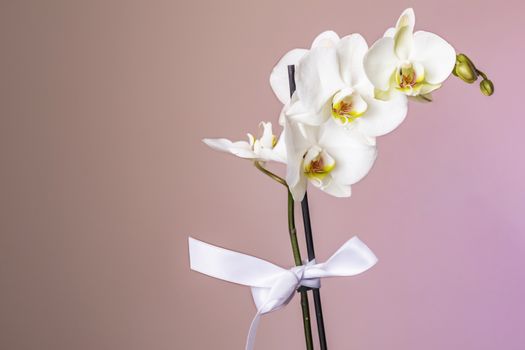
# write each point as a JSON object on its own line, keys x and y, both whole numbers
{"x": 272, "y": 286}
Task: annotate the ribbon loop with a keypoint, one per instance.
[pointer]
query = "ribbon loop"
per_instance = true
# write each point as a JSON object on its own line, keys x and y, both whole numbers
{"x": 272, "y": 286}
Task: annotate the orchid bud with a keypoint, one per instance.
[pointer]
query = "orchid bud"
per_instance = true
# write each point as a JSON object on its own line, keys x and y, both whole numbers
{"x": 487, "y": 87}
{"x": 465, "y": 69}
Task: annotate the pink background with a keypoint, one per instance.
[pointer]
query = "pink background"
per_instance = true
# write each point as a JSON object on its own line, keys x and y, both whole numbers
{"x": 104, "y": 176}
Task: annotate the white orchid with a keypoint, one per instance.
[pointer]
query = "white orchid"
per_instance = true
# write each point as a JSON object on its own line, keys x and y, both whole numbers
{"x": 329, "y": 157}
{"x": 331, "y": 83}
{"x": 413, "y": 64}
{"x": 266, "y": 148}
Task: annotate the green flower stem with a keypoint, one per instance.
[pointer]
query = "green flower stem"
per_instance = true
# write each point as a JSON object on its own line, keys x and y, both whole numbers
{"x": 274, "y": 177}
{"x": 305, "y": 307}
{"x": 483, "y": 75}
{"x": 297, "y": 257}
{"x": 293, "y": 231}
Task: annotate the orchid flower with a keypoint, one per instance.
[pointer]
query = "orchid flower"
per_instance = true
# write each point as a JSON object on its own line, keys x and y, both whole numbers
{"x": 266, "y": 148}
{"x": 331, "y": 83}
{"x": 414, "y": 64}
{"x": 329, "y": 157}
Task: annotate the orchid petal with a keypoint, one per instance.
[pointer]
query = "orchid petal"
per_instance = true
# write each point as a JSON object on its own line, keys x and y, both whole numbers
{"x": 436, "y": 55}
{"x": 354, "y": 153}
{"x": 328, "y": 38}
{"x": 240, "y": 148}
{"x": 383, "y": 117}
{"x": 266, "y": 154}
{"x": 318, "y": 78}
{"x": 390, "y": 32}
{"x": 352, "y": 163}
{"x": 428, "y": 88}
{"x": 296, "y": 142}
{"x": 298, "y": 112}
{"x": 332, "y": 135}
{"x": 350, "y": 51}
{"x": 403, "y": 42}
{"x": 267, "y": 138}
{"x": 279, "y": 151}
{"x": 380, "y": 62}
{"x": 299, "y": 189}
{"x": 407, "y": 18}
{"x": 337, "y": 189}
{"x": 385, "y": 95}
{"x": 279, "y": 75}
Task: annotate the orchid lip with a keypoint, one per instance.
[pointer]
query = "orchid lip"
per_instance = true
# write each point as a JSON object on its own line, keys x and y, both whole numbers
{"x": 347, "y": 106}
{"x": 317, "y": 164}
{"x": 409, "y": 77}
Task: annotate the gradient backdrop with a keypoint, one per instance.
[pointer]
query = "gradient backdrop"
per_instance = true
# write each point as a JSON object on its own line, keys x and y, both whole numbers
{"x": 104, "y": 176}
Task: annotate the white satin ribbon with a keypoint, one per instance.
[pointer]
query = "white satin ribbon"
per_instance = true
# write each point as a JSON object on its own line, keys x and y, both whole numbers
{"x": 272, "y": 286}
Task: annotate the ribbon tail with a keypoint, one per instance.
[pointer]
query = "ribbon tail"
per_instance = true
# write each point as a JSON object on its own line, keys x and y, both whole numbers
{"x": 250, "y": 339}
{"x": 353, "y": 258}
{"x": 231, "y": 266}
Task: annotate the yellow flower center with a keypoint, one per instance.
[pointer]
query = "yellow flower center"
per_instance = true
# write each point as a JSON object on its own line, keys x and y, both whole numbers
{"x": 409, "y": 77}
{"x": 347, "y": 106}
{"x": 317, "y": 164}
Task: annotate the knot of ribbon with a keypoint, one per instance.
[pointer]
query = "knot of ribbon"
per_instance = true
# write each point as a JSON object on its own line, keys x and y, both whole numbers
{"x": 272, "y": 286}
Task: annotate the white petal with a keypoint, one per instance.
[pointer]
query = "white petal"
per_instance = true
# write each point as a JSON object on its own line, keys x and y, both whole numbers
{"x": 279, "y": 76}
{"x": 332, "y": 135}
{"x": 241, "y": 148}
{"x": 435, "y": 54}
{"x": 267, "y": 136}
{"x": 328, "y": 38}
{"x": 407, "y": 18}
{"x": 299, "y": 189}
{"x": 337, "y": 190}
{"x": 297, "y": 142}
{"x": 385, "y": 95}
{"x": 403, "y": 42}
{"x": 428, "y": 88}
{"x": 293, "y": 169}
{"x": 351, "y": 50}
{"x": 390, "y": 32}
{"x": 352, "y": 163}
{"x": 380, "y": 62}
{"x": 272, "y": 155}
{"x": 318, "y": 78}
{"x": 251, "y": 139}
{"x": 382, "y": 117}
{"x": 353, "y": 154}
{"x": 311, "y": 117}
{"x": 279, "y": 151}
{"x": 297, "y": 112}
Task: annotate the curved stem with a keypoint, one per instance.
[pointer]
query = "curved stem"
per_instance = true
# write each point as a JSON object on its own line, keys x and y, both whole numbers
{"x": 293, "y": 231}
{"x": 274, "y": 177}
{"x": 483, "y": 75}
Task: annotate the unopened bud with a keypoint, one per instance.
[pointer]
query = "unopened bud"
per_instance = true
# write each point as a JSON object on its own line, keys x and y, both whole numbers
{"x": 487, "y": 87}
{"x": 465, "y": 69}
